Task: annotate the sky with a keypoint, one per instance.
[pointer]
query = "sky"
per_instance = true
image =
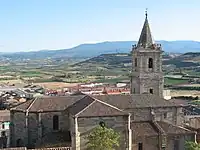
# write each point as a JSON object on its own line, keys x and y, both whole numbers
{"x": 29, "y": 25}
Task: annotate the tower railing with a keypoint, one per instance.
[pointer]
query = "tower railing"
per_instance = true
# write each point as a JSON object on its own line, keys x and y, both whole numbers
{"x": 152, "y": 46}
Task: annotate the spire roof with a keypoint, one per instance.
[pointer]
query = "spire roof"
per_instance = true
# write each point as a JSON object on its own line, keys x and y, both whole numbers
{"x": 145, "y": 39}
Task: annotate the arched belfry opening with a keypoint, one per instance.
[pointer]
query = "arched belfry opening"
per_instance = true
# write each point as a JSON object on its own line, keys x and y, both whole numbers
{"x": 150, "y": 63}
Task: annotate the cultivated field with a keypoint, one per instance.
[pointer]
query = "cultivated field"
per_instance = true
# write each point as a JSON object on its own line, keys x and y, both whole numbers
{"x": 56, "y": 85}
{"x": 184, "y": 93}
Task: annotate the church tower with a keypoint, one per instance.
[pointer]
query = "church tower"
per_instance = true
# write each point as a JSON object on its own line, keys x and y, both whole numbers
{"x": 147, "y": 75}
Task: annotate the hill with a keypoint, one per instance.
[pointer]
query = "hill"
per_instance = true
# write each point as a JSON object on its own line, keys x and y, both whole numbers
{"x": 179, "y": 61}
{"x": 92, "y": 50}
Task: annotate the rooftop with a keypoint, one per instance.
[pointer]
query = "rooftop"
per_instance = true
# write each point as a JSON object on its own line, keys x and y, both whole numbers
{"x": 83, "y": 105}
{"x": 4, "y": 115}
{"x": 149, "y": 128}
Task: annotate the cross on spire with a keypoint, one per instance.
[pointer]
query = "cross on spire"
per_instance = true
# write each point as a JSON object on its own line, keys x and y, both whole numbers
{"x": 146, "y": 13}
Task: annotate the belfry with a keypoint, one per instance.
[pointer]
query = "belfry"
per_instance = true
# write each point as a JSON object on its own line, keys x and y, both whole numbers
{"x": 147, "y": 75}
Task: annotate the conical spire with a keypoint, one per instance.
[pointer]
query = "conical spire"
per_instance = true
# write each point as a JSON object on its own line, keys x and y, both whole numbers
{"x": 145, "y": 39}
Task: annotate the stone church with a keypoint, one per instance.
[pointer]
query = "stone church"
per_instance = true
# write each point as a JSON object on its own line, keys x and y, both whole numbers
{"x": 144, "y": 119}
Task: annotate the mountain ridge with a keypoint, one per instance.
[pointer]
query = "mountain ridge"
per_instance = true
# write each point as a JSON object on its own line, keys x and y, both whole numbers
{"x": 94, "y": 49}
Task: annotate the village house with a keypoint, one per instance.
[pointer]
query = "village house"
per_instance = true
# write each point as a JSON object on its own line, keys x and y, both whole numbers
{"x": 4, "y": 128}
{"x": 144, "y": 119}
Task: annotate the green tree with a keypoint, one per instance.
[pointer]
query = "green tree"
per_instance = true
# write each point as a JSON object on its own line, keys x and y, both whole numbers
{"x": 102, "y": 138}
{"x": 192, "y": 146}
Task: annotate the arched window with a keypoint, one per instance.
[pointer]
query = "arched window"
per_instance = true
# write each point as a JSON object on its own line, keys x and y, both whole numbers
{"x": 135, "y": 62}
{"x": 55, "y": 122}
{"x": 150, "y": 62}
{"x": 151, "y": 91}
{"x": 3, "y": 125}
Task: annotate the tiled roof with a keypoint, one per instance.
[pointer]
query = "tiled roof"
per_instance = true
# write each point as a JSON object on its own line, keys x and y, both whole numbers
{"x": 4, "y": 115}
{"x": 141, "y": 129}
{"x": 135, "y": 101}
{"x": 89, "y": 106}
{"x": 51, "y": 103}
{"x": 23, "y": 106}
{"x": 59, "y": 103}
{"x": 80, "y": 105}
{"x": 148, "y": 128}
{"x": 180, "y": 102}
{"x": 172, "y": 129}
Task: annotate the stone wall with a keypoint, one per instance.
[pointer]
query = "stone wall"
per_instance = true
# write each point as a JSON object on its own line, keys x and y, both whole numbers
{"x": 119, "y": 124}
{"x": 34, "y": 131}
{"x": 152, "y": 142}
{"x": 181, "y": 139}
{"x": 169, "y": 114}
{"x": 18, "y": 128}
{"x": 193, "y": 121}
{"x": 47, "y": 122}
{"x": 148, "y": 143}
{"x": 145, "y": 78}
{"x": 143, "y": 114}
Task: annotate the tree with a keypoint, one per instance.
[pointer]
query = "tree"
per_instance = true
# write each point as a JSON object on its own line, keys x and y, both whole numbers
{"x": 102, "y": 138}
{"x": 192, "y": 146}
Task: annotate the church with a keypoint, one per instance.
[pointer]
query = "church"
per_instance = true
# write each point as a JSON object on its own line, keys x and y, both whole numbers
{"x": 144, "y": 119}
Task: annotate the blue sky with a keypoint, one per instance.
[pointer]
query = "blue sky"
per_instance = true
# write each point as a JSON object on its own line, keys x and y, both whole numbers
{"x": 56, "y": 24}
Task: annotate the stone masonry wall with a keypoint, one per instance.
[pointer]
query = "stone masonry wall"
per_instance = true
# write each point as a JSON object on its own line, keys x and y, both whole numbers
{"x": 18, "y": 130}
{"x": 47, "y": 122}
{"x": 119, "y": 124}
{"x": 149, "y": 143}
{"x": 32, "y": 129}
{"x": 172, "y": 114}
{"x": 144, "y": 78}
{"x": 181, "y": 141}
{"x": 18, "y": 127}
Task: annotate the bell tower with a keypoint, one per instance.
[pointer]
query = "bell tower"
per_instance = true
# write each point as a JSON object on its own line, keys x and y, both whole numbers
{"x": 147, "y": 75}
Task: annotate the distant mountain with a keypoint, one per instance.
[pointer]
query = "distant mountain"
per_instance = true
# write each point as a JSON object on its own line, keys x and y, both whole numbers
{"x": 92, "y": 50}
